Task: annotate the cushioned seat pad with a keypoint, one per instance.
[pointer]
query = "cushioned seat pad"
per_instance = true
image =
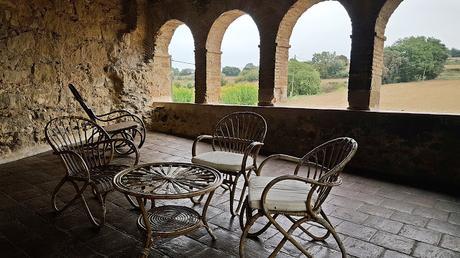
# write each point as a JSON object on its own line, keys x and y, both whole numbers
{"x": 289, "y": 195}
{"x": 224, "y": 161}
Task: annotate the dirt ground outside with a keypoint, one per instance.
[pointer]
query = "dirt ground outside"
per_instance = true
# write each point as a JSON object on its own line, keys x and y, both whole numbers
{"x": 434, "y": 96}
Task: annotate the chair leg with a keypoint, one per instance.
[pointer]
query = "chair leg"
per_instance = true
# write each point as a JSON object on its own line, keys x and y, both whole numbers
{"x": 78, "y": 194}
{"x": 326, "y": 224}
{"x": 287, "y": 236}
{"x": 232, "y": 194}
{"x": 246, "y": 213}
{"x": 101, "y": 198}
{"x": 246, "y": 230}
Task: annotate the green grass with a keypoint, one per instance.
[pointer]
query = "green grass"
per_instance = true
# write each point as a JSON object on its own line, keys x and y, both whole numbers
{"x": 240, "y": 94}
{"x": 183, "y": 94}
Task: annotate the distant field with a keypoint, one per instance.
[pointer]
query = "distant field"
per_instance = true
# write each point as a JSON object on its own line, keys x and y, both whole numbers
{"x": 441, "y": 96}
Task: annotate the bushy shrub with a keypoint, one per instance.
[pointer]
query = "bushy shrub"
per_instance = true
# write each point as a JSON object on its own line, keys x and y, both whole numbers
{"x": 183, "y": 94}
{"x": 303, "y": 79}
{"x": 240, "y": 94}
{"x": 249, "y": 75}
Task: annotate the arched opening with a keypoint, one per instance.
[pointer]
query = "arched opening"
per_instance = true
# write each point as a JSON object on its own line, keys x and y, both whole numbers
{"x": 232, "y": 61}
{"x": 312, "y": 61}
{"x": 173, "y": 63}
{"x": 419, "y": 68}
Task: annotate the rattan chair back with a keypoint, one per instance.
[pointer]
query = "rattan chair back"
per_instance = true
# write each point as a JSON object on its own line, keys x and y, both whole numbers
{"x": 81, "y": 136}
{"x": 325, "y": 163}
{"x": 235, "y": 131}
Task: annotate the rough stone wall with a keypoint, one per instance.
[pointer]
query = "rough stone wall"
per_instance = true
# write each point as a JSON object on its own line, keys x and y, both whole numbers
{"x": 44, "y": 45}
{"x": 420, "y": 149}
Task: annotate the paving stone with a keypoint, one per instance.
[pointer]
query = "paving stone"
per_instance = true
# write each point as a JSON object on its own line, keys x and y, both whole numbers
{"x": 420, "y": 234}
{"x": 450, "y": 242}
{"x": 408, "y": 218}
{"x": 383, "y": 224}
{"x": 444, "y": 227}
{"x": 393, "y": 254}
{"x": 356, "y": 230}
{"x": 393, "y": 242}
{"x": 350, "y": 215}
{"x": 368, "y": 198}
{"x": 398, "y": 205}
{"x": 430, "y": 251}
{"x": 454, "y": 218}
{"x": 448, "y": 206}
{"x": 431, "y": 213}
{"x": 376, "y": 210}
{"x": 361, "y": 248}
{"x": 344, "y": 202}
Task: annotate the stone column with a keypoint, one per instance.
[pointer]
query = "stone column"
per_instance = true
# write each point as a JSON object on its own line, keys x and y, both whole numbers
{"x": 162, "y": 85}
{"x": 213, "y": 75}
{"x": 281, "y": 72}
{"x": 267, "y": 72}
{"x": 200, "y": 74}
{"x": 365, "y": 79}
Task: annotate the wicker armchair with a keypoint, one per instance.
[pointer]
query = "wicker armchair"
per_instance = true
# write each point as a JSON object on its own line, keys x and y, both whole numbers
{"x": 118, "y": 124}
{"x": 297, "y": 197}
{"x": 236, "y": 142}
{"x": 87, "y": 152}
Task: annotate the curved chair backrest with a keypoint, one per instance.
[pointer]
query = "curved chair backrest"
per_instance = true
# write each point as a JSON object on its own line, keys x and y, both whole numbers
{"x": 82, "y": 136}
{"x": 325, "y": 163}
{"x": 235, "y": 131}
{"x": 82, "y": 102}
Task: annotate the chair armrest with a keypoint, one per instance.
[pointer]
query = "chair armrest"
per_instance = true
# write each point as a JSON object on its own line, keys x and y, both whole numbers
{"x": 198, "y": 139}
{"x": 277, "y": 157}
{"x": 131, "y": 145}
{"x": 314, "y": 184}
{"x": 117, "y": 114}
{"x": 251, "y": 150}
{"x": 74, "y": 163}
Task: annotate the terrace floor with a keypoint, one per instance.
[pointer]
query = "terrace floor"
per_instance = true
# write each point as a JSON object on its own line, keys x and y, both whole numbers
{"x": 374, "y": 218}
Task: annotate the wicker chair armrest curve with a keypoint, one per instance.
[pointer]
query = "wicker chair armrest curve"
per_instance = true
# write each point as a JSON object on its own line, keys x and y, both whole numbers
{"x": 314, "y": 184}
{"x": 277, "y": 157}
{"x": 197, "y": 140}
{"x": 130, "y": 144}
{"x": 116, "y": 114}
{"x": 251, "y": 150}
{"x": 76, "y": 165}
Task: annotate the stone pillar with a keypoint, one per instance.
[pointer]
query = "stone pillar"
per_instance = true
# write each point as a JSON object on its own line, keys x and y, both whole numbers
{"x": 162, "y": 84}
{"x": 213, "y": 75}
{"x": 200, "y": 74}
{"x": 281, "y": 72}
{"x": 267, "y": 72}
{"x": 365, "y": 80}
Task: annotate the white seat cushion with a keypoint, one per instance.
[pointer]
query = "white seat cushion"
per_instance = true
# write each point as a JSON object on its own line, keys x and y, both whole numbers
{"x": 289, "y": 195}
{"x": 224, "y": 161}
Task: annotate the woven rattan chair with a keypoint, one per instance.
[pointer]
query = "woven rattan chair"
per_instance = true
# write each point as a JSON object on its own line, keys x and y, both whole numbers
{"x": 118, "y": 124}
{"x": 299, "y": 196}
{"x": 236, "y": 142}
{"x": 87, "y": 151}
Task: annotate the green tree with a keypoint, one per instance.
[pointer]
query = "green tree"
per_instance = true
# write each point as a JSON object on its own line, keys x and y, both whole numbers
{"x": 455, "y": 52}
{"x": 175, "y": 71}
{"x": 231, "y": 71}
{"x": 419, "y": 58}
{"x": 303, "y": 79}
{"x": 250, "y": 73}
{"x": 330, "y": 65}
{"x": 186, "y": 71}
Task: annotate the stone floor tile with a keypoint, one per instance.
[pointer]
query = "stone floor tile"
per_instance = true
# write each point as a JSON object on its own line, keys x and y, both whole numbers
{"x": 444, "y": 227}
{"x": 430, "y": 251}
{"x": 393, "y": 254}
{"x": 393, "y": 242}
{"x": 448, "y": 206}
{"x": 454, "y": 218}
{"x": 420, "y": 234}
{"x": 376, "y": 210}
{"x": 383, "y": 224}
{"x": 356, "y": 230}
{"x": 398, "y": 205}
{"x": 431, "y": 213}
{"x": 450, "y": 242}
{"x": 410, "y": 219}
{"x": 361, "y": 248}
{"x": 344, "y": 202}
{"x": 350, "y": 215}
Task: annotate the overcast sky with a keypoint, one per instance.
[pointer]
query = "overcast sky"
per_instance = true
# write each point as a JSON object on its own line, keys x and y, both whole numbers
{"x": 327, "y": 27}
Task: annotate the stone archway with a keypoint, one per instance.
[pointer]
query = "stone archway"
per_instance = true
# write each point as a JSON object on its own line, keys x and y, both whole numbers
{"x": 282, "y": 45}
{"x": 214, "y": 53}
{"x": 162, "y": 60}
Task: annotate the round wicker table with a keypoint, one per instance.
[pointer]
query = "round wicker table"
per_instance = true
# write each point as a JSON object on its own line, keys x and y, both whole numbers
{"x": 169, "y": 180}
